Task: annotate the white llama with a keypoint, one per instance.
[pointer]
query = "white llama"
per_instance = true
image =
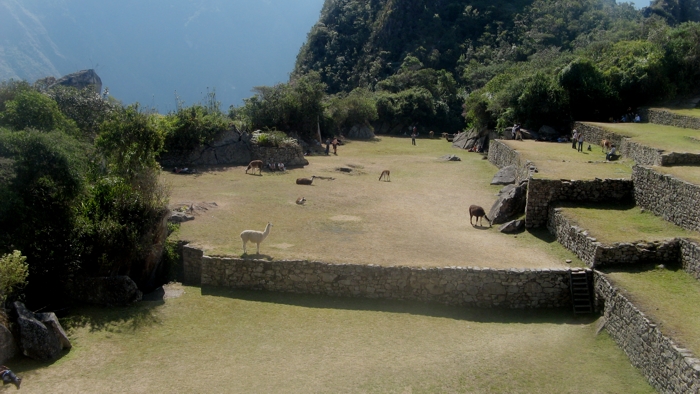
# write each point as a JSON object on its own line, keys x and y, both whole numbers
{"x": 255, "y": 236}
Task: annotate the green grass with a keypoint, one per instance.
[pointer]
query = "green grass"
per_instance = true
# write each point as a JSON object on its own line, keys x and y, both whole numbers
{"x": 671, "y": 297}
{"x": 668, "y": 138}
{"x": 560, "y": 161}
{"x": 240, "y": 341}
{"x": 686, "y": 173}
{"x": 611, "y": 223}
{"x": 694, "y": 112}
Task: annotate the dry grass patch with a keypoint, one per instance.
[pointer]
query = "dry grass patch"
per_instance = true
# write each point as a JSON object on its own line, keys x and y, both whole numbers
{"x": 670, "y": 297}
{"x": 261, "y": 342}
{"x": 610, "y": 223}
{"x": 420, "y": 218}
{"x": 668, "y": 138}
{"x": 559, "y": 161}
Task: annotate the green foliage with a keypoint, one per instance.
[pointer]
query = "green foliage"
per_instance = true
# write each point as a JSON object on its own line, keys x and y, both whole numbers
{"x": 272, "y": 139}
{"x": 31, "y": 109}
{"x": 357, "y": 108}
{"x": 190, "y": 127}
{"x": 590, "y": 94}
{"x": 13, "y": 274}
{"x": 130, "y": 142}
{"x": 87, "y": 108}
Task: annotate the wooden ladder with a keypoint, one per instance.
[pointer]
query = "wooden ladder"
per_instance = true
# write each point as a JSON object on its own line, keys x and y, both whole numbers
{"x": 581, "y": 299}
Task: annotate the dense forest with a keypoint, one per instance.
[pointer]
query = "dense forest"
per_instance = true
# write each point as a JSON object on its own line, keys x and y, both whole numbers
{"x": 488, "y": 64}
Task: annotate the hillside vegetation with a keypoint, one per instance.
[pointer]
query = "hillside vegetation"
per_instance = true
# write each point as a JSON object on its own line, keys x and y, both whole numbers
{"x": 489, "y": 64}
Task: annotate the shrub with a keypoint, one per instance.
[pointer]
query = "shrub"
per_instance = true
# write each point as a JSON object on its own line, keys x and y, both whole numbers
{"x": 31, "y": 109}
{"x": 274, "y": 138}
{"x": 13, "y": 274}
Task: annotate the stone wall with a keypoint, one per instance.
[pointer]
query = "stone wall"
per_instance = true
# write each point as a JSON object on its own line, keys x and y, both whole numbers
{"x": 541, "y": 193}
{"x": 192, "y": 265}
{"x": 501, "y": 155}
{"x": 671, "y": 198}
{"x": 659, "y": 116}
{"x": 690, "y": 257}
{"x": 596, "y": 254}
{"x": 594, "y": 134}
{"x": 668, "y": 367}
{"x": 476, "y": 287}
{"x": 235, "y": 148}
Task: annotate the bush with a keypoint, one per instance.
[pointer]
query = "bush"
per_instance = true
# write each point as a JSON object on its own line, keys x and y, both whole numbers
{"x": 275, "y": 139}
{"x": 31, "y": 109}
{"x": 13, "y": 274}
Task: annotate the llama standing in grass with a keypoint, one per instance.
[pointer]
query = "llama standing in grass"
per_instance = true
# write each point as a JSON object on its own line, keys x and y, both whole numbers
{"x": 255, "y": 236}
{"x": 475, "y": 210}
{"x": 385, "y": 175}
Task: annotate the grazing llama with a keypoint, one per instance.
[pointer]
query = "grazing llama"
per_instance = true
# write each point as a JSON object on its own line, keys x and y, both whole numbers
{"x": 475, "y": 210}
{"x": 385, "y": 175}
{"x": 255, "y": 164}
{"x": 605, "y": 145}
{"x": 306, "y": 181}
{"x": 255, "y": 236}
{"x": 301, "y": 201}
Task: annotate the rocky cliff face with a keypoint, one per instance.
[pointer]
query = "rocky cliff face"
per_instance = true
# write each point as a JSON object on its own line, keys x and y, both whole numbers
{"x": 81, "y": 80}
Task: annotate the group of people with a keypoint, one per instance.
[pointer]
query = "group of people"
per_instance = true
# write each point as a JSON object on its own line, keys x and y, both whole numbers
{"x": 577, "y": 140}
{"x": 276, "y": 166}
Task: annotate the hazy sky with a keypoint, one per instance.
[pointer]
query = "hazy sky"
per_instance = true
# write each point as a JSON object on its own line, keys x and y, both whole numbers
{"x": 146, "y": 50}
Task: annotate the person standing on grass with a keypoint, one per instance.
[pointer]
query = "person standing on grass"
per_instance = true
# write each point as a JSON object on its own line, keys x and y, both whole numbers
{"x": 574, "y": 138}
{"x": 413, "y": 136}
{"x": 580, "y": 142}
{"x": 328, "y": 145}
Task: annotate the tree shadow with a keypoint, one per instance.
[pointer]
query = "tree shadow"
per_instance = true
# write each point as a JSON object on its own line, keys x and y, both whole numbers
{"x": 484, "y": 315}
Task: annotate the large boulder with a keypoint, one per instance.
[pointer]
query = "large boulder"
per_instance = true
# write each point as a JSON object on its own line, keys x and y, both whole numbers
{"x": 360, "y": 132}
{"x": 505, "y": 176}
{"x": 548, "y": 133}
{"x": 466, "y": 140}
{"x": 514, "y": 226}
{"x": 81, "y": 79}
{"x": 106, "y": 290}
{"x": 510, "y": 203}
{"x": 41, "y": 335}
{"x": 8, "y": 346}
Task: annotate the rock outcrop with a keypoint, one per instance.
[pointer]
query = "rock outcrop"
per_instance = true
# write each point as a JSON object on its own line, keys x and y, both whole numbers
{"x": 81, "y": 80}
{"x": 514, "y": 226}
{"x": 510, "y": 203}
{"x": 8, "y": 346}
{"x": 360, "y": 132}
{"x": 41, "y": 335}
{"x": 505, "y": 176}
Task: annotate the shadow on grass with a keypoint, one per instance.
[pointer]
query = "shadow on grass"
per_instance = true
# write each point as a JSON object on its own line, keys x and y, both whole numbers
{"x": 612, "y": 206}
{"x": 114, "y": 319}
{"x": 639, "y": 268}
{"x": 483, "y": 315}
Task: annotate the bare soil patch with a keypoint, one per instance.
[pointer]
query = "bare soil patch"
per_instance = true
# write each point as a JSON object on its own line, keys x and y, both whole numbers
{"x": 420, "y": 218}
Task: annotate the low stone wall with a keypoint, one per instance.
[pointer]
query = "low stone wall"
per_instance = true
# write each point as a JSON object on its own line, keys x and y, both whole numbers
{"x": 541, "y": 193}
{"x": 475, "y": 287}
{"x": 501, "y": 155}
{"x": 596, "y": 254}
{"x": 671, "y": 198}
{"x": 668, "y": 367}
{"x": 192, "y": 265}
{"x": 690, "y": 257}
{"x": 659, "y": 116}
{"x": 641, "y": 154}
{"x": 235, "y": 148}
{"x": 594, "y": 134}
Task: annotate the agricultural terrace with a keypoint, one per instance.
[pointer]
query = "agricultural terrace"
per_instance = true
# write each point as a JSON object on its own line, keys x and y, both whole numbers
{"x": 694, "y": 112}
{"x": 686, "y": 173}
{"x": 215, "y": 340}
{"x": 420, "y": 218}
{"x": 668, "y": 138}
{"x": 557, "y": 160}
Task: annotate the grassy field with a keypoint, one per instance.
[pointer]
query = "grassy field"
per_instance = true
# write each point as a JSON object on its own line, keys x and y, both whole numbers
{"x": 695, "y": 112}
{"x": 611, "y": 223}
{"x": 560, "y": 161}
{"x": 686, "y": 173}
{"x": 671, "y": 297}
{"x": 420, "y": 218}
{"x": 224, "y": 341}
{"x": 668, "y": 138}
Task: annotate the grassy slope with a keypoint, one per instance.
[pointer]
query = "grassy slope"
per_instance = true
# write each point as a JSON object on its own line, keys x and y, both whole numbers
{"x": 668, "y": 138}
{"x": 671, "y": 297}
{"x": 238, "y": 341}
{"x": 560, "y": 161}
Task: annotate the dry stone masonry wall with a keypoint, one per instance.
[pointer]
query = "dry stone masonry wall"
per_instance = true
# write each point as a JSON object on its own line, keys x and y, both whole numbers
{"x": 596, "y": 254}
{"x": 477, "y": 287}
{"x": 690, "y": 257}
{"x": 671, "y": 198}
{"x": 668, "y": 367}
{"x": 501, "y": 155}
{"x": 659, "y": 116}
{"x": 541, "y": 193}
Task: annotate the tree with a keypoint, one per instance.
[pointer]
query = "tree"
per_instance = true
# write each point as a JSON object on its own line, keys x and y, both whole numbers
{"x": 31, "y": 109}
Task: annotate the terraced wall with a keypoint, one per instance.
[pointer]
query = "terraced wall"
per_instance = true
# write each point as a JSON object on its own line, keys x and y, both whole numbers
{"x": 659, "y": 116}
{"x": 671, "y": 198}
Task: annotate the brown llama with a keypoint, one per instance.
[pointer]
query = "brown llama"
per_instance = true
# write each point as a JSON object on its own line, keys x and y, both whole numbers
{"x": 606, "y": 145}
{"x": 306, "y": 181}
{"x": 475, "y": 210}
{"x": 255, "y": 164}
{"x": 386, "y": 175}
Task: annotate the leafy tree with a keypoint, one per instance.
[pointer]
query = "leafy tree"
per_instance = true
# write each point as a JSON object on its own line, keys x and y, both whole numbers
{"x": 13, "y": 274}
{"x": 357, "y": 108}
{"x": 31, "y": 109}
{"x": 590, "y": 95}
{"x": 87, "y": 108}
